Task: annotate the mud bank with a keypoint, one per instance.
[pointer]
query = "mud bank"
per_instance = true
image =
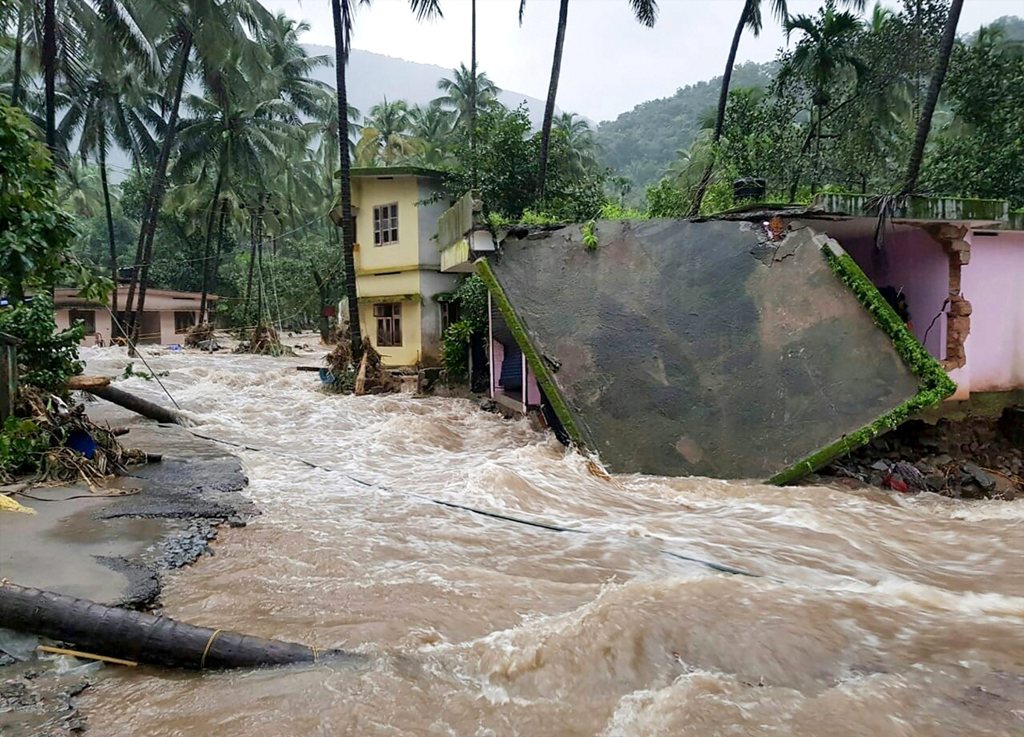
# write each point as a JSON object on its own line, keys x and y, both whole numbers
{"x": 112, "y": 545}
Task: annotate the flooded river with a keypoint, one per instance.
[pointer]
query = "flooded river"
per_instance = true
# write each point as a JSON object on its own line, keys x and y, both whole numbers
{"x": 871, "y": 614}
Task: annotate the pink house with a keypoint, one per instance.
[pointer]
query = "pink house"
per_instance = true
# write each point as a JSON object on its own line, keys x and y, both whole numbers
{"x": 512, "y": 382}
{"x": 958, "y": 265}
{"x": 166, "y": 319}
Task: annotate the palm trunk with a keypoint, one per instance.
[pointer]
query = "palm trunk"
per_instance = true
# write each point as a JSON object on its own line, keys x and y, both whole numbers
{"x": 144, "y": 251}
{"x": 924, "y": 124}
{"x": 209, "y": 234}
{"x": 723, "y": 100}
{"x": 50, "y": 72}
{"x": 18, "y": 53}
{"x": 252, "y": 264}
{"x": 348, "y": 232}
{"x": 215, "y": 276}
{"x": 111, "y": 241}
{"x": 472, "y": 96}
{"x": 549, "y": 107}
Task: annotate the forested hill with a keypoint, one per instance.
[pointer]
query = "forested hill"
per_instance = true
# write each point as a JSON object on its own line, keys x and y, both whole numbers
{"x": 641, "y": 143}
{"x": 372, "y": 77}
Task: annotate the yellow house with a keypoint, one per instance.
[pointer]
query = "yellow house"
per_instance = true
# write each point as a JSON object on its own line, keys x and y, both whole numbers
{"x": 397, "y": 259}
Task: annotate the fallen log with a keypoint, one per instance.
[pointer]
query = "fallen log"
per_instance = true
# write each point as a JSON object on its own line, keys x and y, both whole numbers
{"x": 136, "y": 404}
{"x": 142, "y": 637}
{"x": 87, "y": 383}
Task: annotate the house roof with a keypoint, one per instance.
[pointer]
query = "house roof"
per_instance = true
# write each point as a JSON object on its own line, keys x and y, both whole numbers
{"x": 68, "y": 296}
{"x": 395, "y": 171}
{"x": 916, "y": 210}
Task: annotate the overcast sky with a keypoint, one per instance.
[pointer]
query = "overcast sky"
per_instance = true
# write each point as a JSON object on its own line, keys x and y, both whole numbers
{"x": 610, "y": 64}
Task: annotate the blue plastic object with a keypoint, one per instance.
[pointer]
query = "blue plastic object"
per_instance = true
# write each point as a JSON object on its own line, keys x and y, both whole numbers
{"x": 82, "y": 442}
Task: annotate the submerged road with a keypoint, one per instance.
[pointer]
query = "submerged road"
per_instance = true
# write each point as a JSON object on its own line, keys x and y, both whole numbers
{"x": 871, "y": 614}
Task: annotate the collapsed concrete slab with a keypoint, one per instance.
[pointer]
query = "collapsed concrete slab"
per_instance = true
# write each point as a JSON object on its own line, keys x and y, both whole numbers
{"x": 724, "y": 349}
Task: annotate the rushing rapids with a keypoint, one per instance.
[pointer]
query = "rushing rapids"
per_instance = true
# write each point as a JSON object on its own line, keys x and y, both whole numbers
{"x": 872, "y": 613}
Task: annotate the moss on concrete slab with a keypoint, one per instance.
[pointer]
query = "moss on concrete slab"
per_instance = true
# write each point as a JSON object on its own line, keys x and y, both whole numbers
{"x": 533, "y": 359}
{"x": 935, "y": 385}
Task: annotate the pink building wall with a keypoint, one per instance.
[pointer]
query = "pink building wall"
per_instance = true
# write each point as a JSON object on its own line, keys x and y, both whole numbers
{"x": 532, "y": 390}
{"x": 915, "y": 262}
{"x": 993, "y": 282}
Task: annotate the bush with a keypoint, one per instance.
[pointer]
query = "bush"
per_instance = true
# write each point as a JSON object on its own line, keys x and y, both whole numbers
{"x": 47, "y": 358}
{"x": 471, "y": 296}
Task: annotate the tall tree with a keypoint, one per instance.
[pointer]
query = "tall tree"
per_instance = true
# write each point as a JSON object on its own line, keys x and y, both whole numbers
{"x": 342, "y": 12}
{"x": 213, "y": 31}
{"x": 924, "y": 124}
{"x": 750, "y": 19}
{"x": 825, "y": 51}
{"x": 473, "y": 89}
{"x": 466, "y": 94}
{"x": 106, "y": 108}
{"x": 646, "y": 12}
{"x": 50, "y": 71}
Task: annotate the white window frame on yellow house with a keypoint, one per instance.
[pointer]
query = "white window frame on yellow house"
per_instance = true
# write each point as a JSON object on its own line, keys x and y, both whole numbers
{"x": 385, "y": 224}
{"x": 394, "y": 319}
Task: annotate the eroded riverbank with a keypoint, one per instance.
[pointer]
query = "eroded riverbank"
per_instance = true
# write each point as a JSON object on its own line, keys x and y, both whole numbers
{"x": 874, "y": 613}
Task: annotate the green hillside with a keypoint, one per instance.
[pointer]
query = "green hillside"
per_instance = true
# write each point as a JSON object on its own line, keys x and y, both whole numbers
{"x": 641, "y": 143}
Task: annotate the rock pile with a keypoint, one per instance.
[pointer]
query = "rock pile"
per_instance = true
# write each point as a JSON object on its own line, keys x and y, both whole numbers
{"x": 970, "y": 459}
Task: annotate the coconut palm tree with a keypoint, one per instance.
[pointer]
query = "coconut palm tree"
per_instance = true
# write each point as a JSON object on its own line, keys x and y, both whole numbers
{"x": 932, "y": 98}
{"x": 826, "y": 50}
{"x": 107, "y": 109}
{"x": 235, "y": 130}
{"x": 386, "y": 135}
{"x": 646, "y": 12}
{"x": 579, "y": 139}
{"x": 213, "y": 32}
{"x": 465, "y": 97}
{"x": 342, "y": 13}
{"x": 431, "y": 128}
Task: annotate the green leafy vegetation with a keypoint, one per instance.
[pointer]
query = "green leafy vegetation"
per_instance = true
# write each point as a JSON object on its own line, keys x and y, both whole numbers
{"x": 589, "y": 233}
{"x": 48, "y": 357}
{"x": 934, "y": 383}
{"x": 22, "y": 444}
{"x": 642, "y": 143}
{"x": 839, "y": 110}
{"x": 471, "y": 300}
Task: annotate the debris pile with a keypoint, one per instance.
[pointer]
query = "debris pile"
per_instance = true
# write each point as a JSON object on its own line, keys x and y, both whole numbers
{"x": 198, "y": 334}
{"x": 264, "y": 341}
{"x": 61, "y": 443}
{"x": 342, "y": 376}
{"x": 970, "y": 459}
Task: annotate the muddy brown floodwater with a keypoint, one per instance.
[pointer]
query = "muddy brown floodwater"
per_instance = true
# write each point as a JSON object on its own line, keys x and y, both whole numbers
{"x": 874, "y": 614}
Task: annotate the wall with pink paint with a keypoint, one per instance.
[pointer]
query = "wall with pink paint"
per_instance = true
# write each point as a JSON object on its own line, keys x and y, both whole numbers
{"x": 993, "y": 282}
{"x": 915, "y": 262}
{"x": 532, "y": 390}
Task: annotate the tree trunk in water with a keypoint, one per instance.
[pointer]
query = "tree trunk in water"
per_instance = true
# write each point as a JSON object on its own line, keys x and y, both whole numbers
{"x": 252, "y": 264}
{"x": 139, "y": 406}
{"x": 549, "y": 107}
{"x": 723, "y": 100}
{"x": 50, "y": 72}
{"x": 924, "y": 125}
{"x": 141, "y": 637}
{"x": 110, "y": 220}
{"x": 215, "y": 276}
{"x": 348, "y": 232}
{"x": 209, "y": 235}
{"x": 154, "y": 202}
{"x": 18, "y": 53}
